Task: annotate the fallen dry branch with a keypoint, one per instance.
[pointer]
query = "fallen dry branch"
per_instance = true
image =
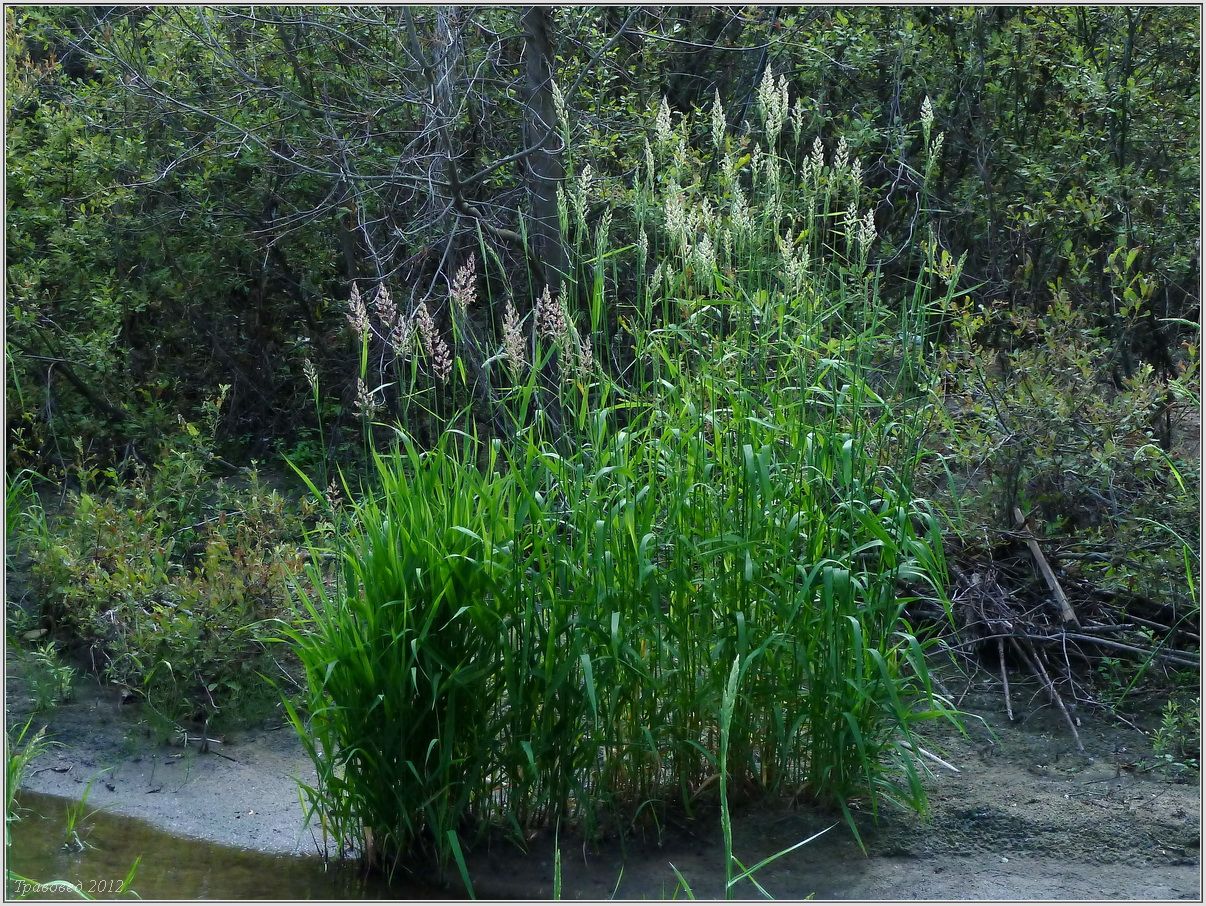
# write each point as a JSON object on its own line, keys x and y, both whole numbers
{"x": 1066, "y": 613}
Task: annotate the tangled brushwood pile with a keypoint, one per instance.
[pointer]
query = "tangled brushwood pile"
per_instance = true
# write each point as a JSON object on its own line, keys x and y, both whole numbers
{"x": 1012, "y": 612}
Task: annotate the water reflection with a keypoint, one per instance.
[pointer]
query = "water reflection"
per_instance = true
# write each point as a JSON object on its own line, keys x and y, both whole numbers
{"x": 175, "y": 867}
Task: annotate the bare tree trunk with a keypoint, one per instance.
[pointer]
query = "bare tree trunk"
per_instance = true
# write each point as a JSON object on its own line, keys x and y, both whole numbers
{"x": 545, "y": 170}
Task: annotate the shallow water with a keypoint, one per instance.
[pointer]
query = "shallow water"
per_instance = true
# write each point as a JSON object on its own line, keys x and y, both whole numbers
{"x": 172, "y": 867}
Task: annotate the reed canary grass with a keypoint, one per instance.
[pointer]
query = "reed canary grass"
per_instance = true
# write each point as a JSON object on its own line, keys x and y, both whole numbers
{"x": 544, "y": 628}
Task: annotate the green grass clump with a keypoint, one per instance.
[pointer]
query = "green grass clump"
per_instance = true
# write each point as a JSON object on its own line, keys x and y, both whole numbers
{"x": 539, "y": 625}
{"x": 19, "y": 752}
{"x": 546, "y": 636}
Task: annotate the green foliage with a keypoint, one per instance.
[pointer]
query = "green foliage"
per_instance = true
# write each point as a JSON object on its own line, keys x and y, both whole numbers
{"x": 404, "y": 655}
{"x": 132, "y": 263}
{"x": 540, "y": 627}
{"x": 20, "y": 751}
{"x": 1177, "y": 742}
{"x": 1039, "y": 423}
{"x": 50, "y": 680}
{"x": 73, "y": 821}
{"x": 167, "y": 578}
{"x": 173, "y": 225}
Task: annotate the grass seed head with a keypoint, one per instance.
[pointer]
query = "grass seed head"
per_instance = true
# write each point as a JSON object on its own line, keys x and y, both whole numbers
{"x": 384, "y": 307}
{"x": 366, "y": 401}
{"x": 464, "y": 285}
{"x": 718, "y": 123}
{"x": 357, "y": 313}
{"x": 662, "y": 127}
{"x": 585, "y": 362}
{"x": 550, "y": 316}
{"x": 513, "y": 343}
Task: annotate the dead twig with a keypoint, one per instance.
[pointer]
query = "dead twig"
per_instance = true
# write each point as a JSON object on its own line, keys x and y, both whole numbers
{"x": 1040, "y": 673}
{"x": 1004, "y": 677}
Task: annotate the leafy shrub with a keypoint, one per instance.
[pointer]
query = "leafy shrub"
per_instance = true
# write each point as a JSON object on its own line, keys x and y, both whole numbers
{"x": 165, "y": 579}
{"x": 1041, "y": 422}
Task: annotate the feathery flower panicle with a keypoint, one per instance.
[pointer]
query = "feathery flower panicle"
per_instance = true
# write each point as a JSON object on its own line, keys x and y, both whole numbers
{"x": 851, "y": 224}
{"x": 562, "y": 209}
{"x": 649, "y": 167}
{"x": 642, "y": 245}
{"x": 550, "y": 316}
{"x": 787, "y": 246}
{"x": 775, "y": 209}
{"x": 726, "y": 245}
{"x": 772, "y": 102}
{"x": 382, "y": 304}
{"x": 766, "y": 91}
{"x": 464, "y": 285}
{"x": 772, "y": 172}
{"x": 384, "y": 307}
{"x": 927, "y": 117}
{"x": 662, "y": 127}
{"x": 818, "y": 156}
{"x": 705, "y": 258}
{"x": 866, "y": 232}
{"x": 585, "y": 359}
{"x": 856, "y": 172}
{"x": 739, "y": 213}
{"x": 357, "y": 313}
{"x": 676, "y": 215}
{"x": 513, "y": 344}
{"x": 434, "y": 345}
{"x": 581, "y": 193}
{"x": 401, "y": 337}
{"x": 841, "y": 155}
{"x": 655, "y": 281}
{"x": 311, "y": 374}
{"x": 586, "y": 182}
{"x": 366, "y": 400}
{"x": 718, "y": 123}
{"x": 794, "y": 265}
{"x": 728, "y": 169}
{"x": 441, "y": 359}
{"x": 601, "y": 234}
{"x": 334, "y": 497}
{"x": 680, "y": 153}
{"x": 797, "y": 120}
{"x": 559, "y": 105}
{"x": 425, "y": 325}
{"x": 951, "y": 269}
{"x": 934, "y": 155}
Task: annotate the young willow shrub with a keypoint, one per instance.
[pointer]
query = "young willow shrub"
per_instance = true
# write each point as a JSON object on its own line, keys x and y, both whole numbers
{"x": 542, "y": 627}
